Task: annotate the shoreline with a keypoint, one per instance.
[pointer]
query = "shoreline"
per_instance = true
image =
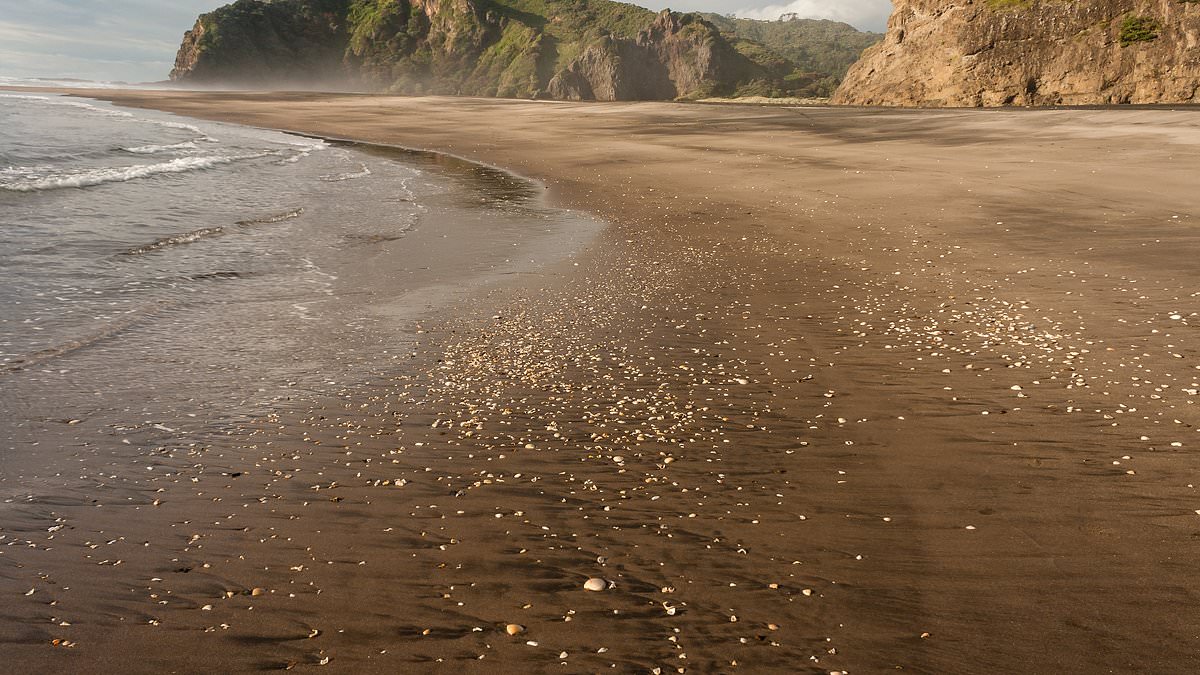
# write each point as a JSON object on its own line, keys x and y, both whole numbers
{"x": 809, "y": 314}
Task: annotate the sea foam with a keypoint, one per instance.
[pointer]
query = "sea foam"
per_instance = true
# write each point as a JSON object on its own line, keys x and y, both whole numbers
{"x": 185, "y": 238}
{"x": 108, "y": 112}
{"x": 29, "y": 180}
{"x": 155, "y": 149}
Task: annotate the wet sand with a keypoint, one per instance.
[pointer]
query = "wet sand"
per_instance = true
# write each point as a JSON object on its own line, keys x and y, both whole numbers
{"x": 836, "y": 390}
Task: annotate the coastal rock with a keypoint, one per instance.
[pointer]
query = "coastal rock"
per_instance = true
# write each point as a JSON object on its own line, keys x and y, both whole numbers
{"x": 1030, "y": 52}
{"x": 266, "y": 43}
{"x": 676, "y": 55}
{"x": 563, "y": 49}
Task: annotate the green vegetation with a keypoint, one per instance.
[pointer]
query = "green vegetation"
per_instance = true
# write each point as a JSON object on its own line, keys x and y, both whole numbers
{"x": 814, "y": 46}
{"x": 506, "y": 48}
{"x": 1136, "y": 29}
{"x": 518, "y": 48}
{"x": 261, "y": 34}
{"x": 579, "y": 20}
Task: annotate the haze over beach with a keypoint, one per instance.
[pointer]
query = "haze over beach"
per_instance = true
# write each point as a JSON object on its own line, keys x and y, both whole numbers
{"x": 642, "y": 352}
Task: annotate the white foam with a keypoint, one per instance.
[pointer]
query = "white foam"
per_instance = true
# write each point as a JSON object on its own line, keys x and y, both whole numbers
{"x": 65, "y": 84}
{"x": 185, "y": 238}
{"x": 306, "y": 146}
{"x": 334, "y": 178}
{"x": 276, "y": 218}
{"x": 30, "y": 181}
{"x": 155, "y": 149}
{"x": 178, "y": 125}
{"x": 48, "y": 100}
{"x": 109, "y": 112}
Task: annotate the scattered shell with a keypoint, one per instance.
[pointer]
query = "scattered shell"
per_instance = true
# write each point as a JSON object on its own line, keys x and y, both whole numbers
{"x": 514, "y": 629}
{"x": 595, "y": 584}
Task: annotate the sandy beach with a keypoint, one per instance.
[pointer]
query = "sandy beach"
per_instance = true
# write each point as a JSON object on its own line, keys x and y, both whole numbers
{"x": 835, "y": 390}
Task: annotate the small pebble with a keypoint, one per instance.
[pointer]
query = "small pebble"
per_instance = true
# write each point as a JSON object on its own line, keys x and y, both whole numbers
{"x": 595, "y": 584}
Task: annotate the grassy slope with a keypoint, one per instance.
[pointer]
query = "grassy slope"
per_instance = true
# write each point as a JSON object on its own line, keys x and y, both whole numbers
{"x": 819, "y": 46}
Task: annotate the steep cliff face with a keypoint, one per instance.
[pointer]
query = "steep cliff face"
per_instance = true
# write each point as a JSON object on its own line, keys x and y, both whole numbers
{"x": 277, "y": 43}
{"x": 1031, "y": 52}
{"x": 676, "y": 56}
{"x": 568, "y": 49}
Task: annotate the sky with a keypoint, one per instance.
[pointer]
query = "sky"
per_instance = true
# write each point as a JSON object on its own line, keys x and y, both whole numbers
{"x": 136, "y": 40}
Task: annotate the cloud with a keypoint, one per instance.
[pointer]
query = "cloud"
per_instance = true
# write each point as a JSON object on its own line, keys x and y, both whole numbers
{"x": 862, "y": 14}
{"x": 131, "y": 40}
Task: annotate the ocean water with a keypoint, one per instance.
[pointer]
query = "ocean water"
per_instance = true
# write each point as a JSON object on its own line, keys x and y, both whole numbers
{"x": 171, "y": 276}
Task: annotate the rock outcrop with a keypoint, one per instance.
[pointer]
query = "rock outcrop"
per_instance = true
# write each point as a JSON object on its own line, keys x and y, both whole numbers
{"x": 266, "y": 43}
{"x": 676, "y": 56}
{"x": 1031, "y": 52}
{"x": 565, "y": 49}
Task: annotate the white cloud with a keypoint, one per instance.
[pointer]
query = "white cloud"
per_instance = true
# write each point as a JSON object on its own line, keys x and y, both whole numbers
{"x": 862, "y": 14}
{"x": 132, "y": 40}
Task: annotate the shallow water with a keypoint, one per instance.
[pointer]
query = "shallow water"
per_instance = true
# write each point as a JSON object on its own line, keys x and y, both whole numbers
{"x": 169, "y": 276}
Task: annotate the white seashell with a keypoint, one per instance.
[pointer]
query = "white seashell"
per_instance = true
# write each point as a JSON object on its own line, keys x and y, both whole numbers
{"x": 595, "y": 584}
{"x": 514, "y": 629}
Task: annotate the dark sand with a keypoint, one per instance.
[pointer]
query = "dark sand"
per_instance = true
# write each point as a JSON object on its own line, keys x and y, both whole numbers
{"x": 844, "y": 390}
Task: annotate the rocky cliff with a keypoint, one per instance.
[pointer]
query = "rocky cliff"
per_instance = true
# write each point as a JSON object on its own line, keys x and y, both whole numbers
{"x": 676, "y": 56}
{"x": 266, "y": 43}
{"x": 565, "y": 49}
{"x": 1031, "y": 52}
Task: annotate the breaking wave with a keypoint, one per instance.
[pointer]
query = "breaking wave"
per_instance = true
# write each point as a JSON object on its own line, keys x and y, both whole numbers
{"x": 337, "y": 177}
{"x": 277, "y": 218}
{"x": 28, "y": 179}
{"x": 108, "y": 112}
{"x": 155, "y": 149}
{"x": 177, "y": 240}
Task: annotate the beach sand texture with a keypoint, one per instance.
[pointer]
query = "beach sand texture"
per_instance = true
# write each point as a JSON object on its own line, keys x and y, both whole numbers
{"x": 835, "y": 390}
